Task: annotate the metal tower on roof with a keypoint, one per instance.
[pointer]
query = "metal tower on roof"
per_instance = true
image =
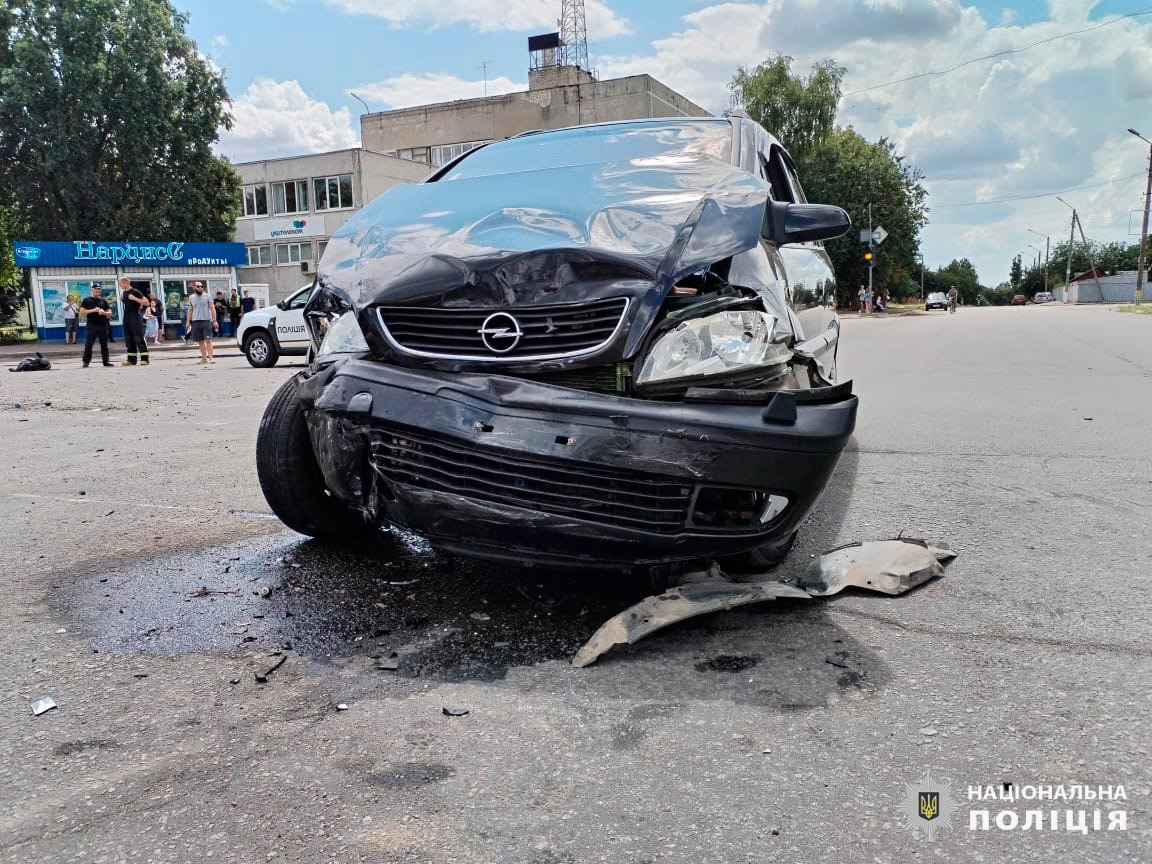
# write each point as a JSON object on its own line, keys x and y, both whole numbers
{"x": 574, "y": 34}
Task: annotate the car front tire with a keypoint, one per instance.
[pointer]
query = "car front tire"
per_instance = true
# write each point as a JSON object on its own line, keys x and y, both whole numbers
{"x": 291, "y": 479}
{"x": 260, "y": 350}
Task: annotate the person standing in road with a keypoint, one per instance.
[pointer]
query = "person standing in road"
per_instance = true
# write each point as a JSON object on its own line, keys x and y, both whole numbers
{"x": 860, "y": 299}
{"x": 202, "y": 321}
{"x": 247, "y": 304}
{"x": 95, "y": 311}
{"x": 234, "y": 311}
{"x": 134, "y": 303}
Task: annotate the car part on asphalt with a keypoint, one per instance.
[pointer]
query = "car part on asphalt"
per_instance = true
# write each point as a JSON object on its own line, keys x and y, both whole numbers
{"x": 887, "y": 566}
{"x": 262, "y": 677}
{"x": 678, "y": 604}
{"x": 581, "y": 347}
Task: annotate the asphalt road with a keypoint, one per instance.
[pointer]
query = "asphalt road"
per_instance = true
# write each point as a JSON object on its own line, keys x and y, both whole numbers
{"x": 137, "y": 544}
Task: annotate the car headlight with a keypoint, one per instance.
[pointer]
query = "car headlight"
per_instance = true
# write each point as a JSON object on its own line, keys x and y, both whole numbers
{"x": 714, "y": 345}
{"x": 343, "y": 337}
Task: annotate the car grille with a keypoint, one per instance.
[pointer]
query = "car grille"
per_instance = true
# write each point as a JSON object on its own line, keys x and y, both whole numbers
{"x": 604, "y": 495}
{"x": 559, "y": 330}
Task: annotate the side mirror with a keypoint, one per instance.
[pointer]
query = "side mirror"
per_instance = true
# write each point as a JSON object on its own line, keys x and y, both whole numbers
{"x": 283, "y": 304}
{"x": 803, "y": 223}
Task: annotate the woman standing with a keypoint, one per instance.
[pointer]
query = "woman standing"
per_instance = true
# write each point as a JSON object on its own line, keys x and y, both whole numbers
{"x": 158, "y": 311}
{"x": 150, "y": 328}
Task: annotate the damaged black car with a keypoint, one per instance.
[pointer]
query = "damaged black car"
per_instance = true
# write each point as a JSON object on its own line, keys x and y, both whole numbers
{"x": 608, "y": 345}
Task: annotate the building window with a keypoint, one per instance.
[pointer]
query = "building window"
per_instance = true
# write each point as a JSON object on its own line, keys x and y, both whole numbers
{"x": 333, "y": 193}
{"x": 256, "y": 200}
{"x": 320, "y": 247}
{"x": 445, "y": 153}
{"x": 293, "y": 253}
{"x": 259, "y": 256}
{"x": 415, "y": 154}
{"x": 290, "y": 197}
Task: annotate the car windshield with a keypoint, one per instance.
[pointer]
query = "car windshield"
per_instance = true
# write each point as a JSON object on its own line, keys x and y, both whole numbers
{"x": 613, "y": 142}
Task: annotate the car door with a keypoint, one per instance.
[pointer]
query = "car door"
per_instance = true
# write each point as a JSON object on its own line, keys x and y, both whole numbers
{"x": 291, "y": 333}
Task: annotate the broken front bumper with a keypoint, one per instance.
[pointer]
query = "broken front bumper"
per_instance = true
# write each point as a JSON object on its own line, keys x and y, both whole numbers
{"x": 505, "y": 468}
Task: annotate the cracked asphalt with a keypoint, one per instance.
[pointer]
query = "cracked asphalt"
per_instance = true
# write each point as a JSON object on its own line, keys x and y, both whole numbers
{"x": 146, "y": 590}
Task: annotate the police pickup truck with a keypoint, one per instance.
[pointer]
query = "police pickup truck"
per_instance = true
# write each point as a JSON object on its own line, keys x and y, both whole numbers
{"x": 266, "y": 334}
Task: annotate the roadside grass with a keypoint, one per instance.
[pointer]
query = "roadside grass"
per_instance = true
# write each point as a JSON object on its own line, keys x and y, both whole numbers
{"x": 1137, "y": 310}
{"x": 16, "y": 335}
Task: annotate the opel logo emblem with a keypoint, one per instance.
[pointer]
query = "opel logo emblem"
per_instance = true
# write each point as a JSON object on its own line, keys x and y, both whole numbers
{"x": 500, "y": 333}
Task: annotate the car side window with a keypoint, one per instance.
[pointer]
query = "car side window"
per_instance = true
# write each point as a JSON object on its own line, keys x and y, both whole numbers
{"x": 794, "y": 181}
{"x": 299, "y": 300}
{"x": 777, "y": 177}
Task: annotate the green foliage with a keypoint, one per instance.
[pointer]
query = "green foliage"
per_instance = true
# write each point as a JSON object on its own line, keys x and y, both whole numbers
{"x": 107, "y": 118}
{"x": 11, "y": 277}
{"x": 850, "y": 172}
{"x": 1016, "y": 273}
{"x": 800, "y": 111}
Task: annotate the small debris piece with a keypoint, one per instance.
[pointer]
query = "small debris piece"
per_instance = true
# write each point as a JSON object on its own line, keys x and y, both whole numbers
{"x": 480, "y": 616}
{"x": 139, "y": 674}
{"x": 840, "y": 664}
{"x": 928, "y": 730}
{"x": 454, "y": 712}
{"x": 265, "y": 591}
{"x": 342, "y": 707}
{"x": 205, "y": 591}
{"x": 233, "y": 680}
{"x": 390, "y": 663}
{"x": 110, "y": 512}
{"x": 262, "y": 677}
{"x": 60, "y": 630}
{"x": 43, "y": 706}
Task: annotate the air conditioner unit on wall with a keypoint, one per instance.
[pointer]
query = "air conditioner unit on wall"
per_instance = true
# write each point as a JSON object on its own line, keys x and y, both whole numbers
{"x": 305, "y": 266}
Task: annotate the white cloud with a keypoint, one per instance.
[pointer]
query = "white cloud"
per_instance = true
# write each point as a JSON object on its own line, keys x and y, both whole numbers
{"x": 406, "y": 90}
{"x": 485, "y": 15}
{"x": 277, "y": 118}
{"x": 219, "y": 41}
{"x": 1042, "y": 120}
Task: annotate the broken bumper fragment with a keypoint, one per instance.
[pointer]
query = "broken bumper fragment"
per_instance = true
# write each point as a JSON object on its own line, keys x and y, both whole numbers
{"x": 516, "y": 470}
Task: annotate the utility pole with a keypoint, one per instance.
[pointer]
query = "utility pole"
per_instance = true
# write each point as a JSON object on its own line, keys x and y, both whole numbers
{"x": 1142, "y": 261}
{"x": 1047, "y": 248}
{"x": 923, "y": 296}
{"x": 872, "y": 249}
{"x": 1071, "y": 240}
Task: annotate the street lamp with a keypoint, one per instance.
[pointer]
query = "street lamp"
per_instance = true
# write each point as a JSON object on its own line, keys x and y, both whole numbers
{"x": 1037, "y": 248}
{"x": 367, "y": 110}
{"x": 1047, "y": 248}
{"x": 1068, "y": 252}
{"x": 1141, "y": 261}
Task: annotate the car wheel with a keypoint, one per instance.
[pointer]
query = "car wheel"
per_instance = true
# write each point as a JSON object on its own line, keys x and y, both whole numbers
{"x": 291, "y": 479}
{"x": 260, "y": 351}
{"x": 761, "y": 558}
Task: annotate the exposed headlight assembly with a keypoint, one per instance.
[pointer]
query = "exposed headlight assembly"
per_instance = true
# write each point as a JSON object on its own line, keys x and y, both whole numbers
{"x": 721, "y": 344}
{"x": 343, "y": 336}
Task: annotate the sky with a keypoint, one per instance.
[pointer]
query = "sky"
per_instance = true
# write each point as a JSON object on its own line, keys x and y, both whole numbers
{"x": 1025, "y": 125}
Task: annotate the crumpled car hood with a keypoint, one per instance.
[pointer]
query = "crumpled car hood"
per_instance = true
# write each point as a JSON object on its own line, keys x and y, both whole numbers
{"x": 558, "y": 235}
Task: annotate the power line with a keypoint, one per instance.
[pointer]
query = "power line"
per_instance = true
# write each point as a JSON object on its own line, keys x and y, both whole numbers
{"x": 1038, "y": 194}
{"x": 1009, "y": 51}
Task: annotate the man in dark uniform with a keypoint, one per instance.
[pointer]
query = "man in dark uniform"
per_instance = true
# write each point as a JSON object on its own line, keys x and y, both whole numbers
{"x": 95, "y": 311}
{"x": 134, "y": 302}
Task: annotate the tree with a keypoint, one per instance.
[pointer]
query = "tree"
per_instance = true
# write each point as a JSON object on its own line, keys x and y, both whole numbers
{"x": 107, "y": 118}
{"x": 11, "y": 279}
{"x": 850, "y": 172}
{"x": 799, "y": 111}
{"x": 962, "y": 274}
{"x": 1016, "y": 273}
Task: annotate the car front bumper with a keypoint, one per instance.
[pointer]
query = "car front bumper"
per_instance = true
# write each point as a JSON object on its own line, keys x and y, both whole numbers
{"x": 504, "y": 468}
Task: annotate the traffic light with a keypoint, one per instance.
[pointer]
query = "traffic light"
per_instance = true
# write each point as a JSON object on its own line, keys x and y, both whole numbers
{"x": 868, "y": 256}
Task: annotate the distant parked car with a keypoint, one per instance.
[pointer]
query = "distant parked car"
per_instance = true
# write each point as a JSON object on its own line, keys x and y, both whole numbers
{"x": 1043, "y": 297}
{"x": 936, "y": 300}
{"x": 1019, "y": 300}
